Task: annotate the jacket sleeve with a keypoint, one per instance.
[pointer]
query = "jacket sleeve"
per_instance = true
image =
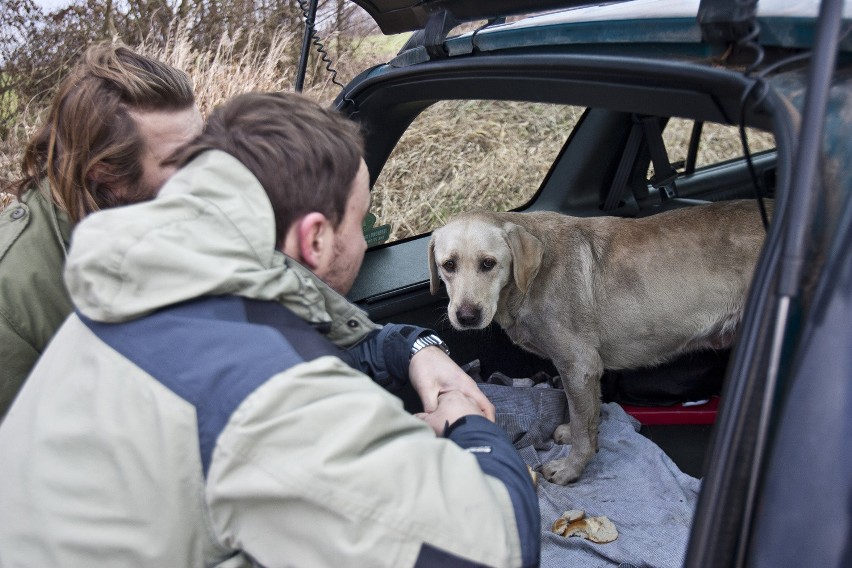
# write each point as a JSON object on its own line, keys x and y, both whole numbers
{"x": 498, "y": 458}
{"x": 18, "y": 358}
{"x": 33, "y": 298}
{"x": 384, "y": 354}
{"x": 321, "y": 467}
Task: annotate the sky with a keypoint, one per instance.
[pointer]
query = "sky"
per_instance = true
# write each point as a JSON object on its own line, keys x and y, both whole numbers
{"x": 50, "y": 5}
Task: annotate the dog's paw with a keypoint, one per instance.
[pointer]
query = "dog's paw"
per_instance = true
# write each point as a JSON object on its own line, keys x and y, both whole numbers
{"x": 561, "y": 471}
{"x": 562, "y": 434}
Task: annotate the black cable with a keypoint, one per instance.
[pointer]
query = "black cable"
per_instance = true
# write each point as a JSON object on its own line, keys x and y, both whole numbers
{"x": 748, "y": 42}
{"x": 760, "y": 83}
{"x": 329, "y": 64}
{"x": 758, "y": 193}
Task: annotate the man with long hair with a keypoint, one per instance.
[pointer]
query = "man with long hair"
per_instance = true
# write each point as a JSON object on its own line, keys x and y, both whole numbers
{"x": 114, "y": 120}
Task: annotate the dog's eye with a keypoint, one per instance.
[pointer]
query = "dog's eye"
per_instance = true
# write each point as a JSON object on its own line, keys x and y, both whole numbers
{"x": 449, "y": 265}
{"x": 488, "y": 264}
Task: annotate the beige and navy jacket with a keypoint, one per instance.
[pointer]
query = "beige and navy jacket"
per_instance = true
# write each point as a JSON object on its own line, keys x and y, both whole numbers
{"x": 197, "y": 410}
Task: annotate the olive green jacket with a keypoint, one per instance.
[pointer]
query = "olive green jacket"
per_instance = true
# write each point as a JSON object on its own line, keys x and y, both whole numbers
{"x": 34, "y": 238}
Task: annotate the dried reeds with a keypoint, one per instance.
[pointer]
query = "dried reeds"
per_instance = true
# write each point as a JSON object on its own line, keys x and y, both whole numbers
{"x": 457, "y": 156}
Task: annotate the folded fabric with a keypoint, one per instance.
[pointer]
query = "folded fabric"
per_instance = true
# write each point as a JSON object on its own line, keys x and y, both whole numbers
{"x": 631, "y": 480}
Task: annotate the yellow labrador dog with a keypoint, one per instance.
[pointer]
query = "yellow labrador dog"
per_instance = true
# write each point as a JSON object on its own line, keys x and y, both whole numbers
{"x": 599, "y": 292}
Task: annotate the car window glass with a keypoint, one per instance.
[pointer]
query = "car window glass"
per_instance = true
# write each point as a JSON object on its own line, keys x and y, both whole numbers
{"x": 718, "y": 143}
{"x": 462, "y": 155}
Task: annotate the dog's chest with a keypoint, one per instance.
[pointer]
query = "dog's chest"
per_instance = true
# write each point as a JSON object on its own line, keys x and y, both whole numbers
{"x": 521, "y": 335}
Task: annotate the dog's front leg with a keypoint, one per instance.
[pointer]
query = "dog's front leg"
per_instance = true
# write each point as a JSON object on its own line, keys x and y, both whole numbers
{"x": 581, "y": 379}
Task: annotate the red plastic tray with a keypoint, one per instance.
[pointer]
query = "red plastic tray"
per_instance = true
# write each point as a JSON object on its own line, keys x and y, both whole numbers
{"x": 677, "y": 414}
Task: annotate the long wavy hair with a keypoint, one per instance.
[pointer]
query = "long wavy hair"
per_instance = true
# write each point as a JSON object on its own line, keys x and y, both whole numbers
{"x": 89, "y": 126}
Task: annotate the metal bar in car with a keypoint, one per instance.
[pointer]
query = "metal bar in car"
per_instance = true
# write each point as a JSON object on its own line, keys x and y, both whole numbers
{"x": 310, "y": 18}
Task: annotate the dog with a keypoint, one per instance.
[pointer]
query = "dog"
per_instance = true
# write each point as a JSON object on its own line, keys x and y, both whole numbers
{"x": 597, "y": 293}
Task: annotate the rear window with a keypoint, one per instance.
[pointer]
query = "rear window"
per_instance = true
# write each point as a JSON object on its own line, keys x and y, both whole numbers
{"x": 462, "y": 155}
{"x": 715, "y": 144}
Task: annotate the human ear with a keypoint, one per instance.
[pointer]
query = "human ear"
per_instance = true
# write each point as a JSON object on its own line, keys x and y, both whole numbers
{"x": 313, "y": 233}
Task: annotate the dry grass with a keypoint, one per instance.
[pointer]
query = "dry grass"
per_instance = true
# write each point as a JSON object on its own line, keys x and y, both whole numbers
{"x": 459, "y": 155}
{"x": 235, "y": 65}
{"x": 719, "y": 143}
{"x": 5, "y": 199}
{"x": 463, "y": 154}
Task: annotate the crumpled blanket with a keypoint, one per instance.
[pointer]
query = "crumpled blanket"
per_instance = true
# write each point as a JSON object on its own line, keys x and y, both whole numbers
{"x": 631, "y": 481}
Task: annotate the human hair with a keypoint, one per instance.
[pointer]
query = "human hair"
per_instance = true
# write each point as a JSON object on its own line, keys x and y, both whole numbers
{"x": 89, "y": 125}
{"x": 304, "y": 155}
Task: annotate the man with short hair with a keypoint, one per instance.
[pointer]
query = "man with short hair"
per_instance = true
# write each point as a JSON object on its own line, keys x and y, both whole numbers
{"x": 202, "y": 412}
{"x": 114, "y": 120}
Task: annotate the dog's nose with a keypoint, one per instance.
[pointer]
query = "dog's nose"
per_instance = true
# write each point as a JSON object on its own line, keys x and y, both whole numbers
{"x": 469, "y": 316}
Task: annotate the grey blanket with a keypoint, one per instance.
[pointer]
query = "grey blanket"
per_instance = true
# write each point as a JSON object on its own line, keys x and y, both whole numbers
{"x": 631, "y": 481}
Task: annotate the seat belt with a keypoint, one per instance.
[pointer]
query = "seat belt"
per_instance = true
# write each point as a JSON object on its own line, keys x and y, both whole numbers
{"x": 625, "y": 166}
{"x": 664, "y": 174}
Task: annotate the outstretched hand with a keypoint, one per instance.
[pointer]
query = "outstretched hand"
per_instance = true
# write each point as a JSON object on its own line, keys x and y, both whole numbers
{"x": 451, "y": 406}
{"x": 432, "y": 373}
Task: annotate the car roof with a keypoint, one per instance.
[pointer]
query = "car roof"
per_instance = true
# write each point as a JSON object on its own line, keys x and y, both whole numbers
{"x": 785, "y": 23}
{"x": 397, "y": 16}
{"x": 703, "y": 28}
{"x": 644, "y": 9}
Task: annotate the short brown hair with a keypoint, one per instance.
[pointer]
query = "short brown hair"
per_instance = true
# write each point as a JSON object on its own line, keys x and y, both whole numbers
{"x": 304, "y": 155}
{"x": 89, "y": 124}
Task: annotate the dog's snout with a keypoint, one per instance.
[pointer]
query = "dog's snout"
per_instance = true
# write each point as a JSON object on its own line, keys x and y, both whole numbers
{"x": 469, "y": 316}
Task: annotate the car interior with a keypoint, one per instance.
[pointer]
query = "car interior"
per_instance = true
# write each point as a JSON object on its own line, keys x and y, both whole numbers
{"x": 621, "y": 80}
{"x": 605, "y": 164}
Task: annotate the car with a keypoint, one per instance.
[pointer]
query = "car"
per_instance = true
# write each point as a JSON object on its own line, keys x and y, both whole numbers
{"x": 616, "y": 109}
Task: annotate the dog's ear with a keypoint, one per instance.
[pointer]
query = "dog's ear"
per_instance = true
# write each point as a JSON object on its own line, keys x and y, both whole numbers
{"x": 527, "y": 251}
{"x": 434, "y": 279}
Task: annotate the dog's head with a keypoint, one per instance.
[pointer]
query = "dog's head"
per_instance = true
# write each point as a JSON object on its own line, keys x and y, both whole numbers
{"x": 478, "y": 257}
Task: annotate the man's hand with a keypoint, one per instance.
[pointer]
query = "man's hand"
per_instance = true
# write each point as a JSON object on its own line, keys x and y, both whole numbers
{"x": 433, "y": 373}
{"x": 451, "y": 406}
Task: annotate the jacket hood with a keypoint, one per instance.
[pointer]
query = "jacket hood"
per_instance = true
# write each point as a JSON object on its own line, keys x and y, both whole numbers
{"x": 210, "y": 231}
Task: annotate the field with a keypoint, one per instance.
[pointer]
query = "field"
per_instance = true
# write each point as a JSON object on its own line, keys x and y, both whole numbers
{"x": 409, "y": 195}
{"x": 233, "y": 66}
